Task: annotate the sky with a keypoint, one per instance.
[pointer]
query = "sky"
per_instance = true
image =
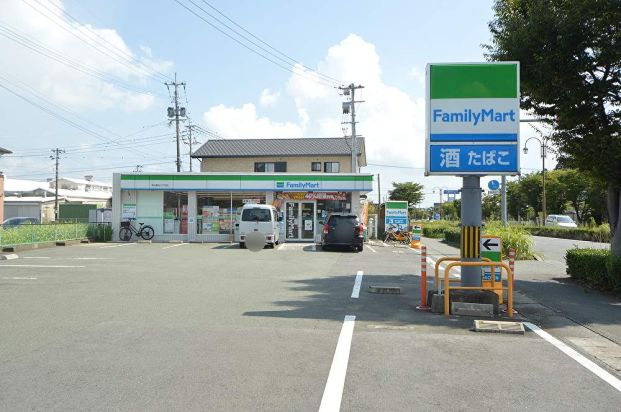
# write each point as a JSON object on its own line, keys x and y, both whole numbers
{"x": 88, "y": 77}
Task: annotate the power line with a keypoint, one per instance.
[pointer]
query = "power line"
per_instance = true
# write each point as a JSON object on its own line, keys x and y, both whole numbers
{"x": 59, "y": 116}
{"x": 287, "y": 57}
{"x": 100, "y": 48}
{"x": 39, "y": 48}
{"x": 236, "y": 40}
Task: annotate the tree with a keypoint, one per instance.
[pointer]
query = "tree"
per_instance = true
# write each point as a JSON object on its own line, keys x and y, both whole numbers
{"x": 570, "y": 64}
{"x": 491, "y": 207}
{"x": 410, "y": 191}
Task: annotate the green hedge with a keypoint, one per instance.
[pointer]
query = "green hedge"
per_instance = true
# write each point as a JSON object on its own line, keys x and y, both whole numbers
{"x": 595, "y": 234}
{"x": 452, "y": 236}
{"x": 436, "y": 229}
{"x": 595, "y": 267}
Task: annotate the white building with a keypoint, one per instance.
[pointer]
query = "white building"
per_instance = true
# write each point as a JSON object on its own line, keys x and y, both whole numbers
{"x": 29, "y": 198}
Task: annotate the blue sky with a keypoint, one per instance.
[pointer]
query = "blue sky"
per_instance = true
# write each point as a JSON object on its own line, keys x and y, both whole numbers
{"x": 383, "y": 45}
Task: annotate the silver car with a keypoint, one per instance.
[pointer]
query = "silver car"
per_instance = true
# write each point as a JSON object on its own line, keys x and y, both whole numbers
{"x": 561, "y": 221}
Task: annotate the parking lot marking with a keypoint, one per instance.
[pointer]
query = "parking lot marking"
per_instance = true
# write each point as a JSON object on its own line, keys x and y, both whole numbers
{"x": 91, "y": 258}
{"x": 357, "y": 283}
{"x": 372, "y": 250}
{"x": 41, "y": 266}
{"x": 282, "y": 246}
{"x": 36, "y": 257}
{"x": 590, "y": 365}
{"x": 18, "y": 278}
{"x": 119, "y": 245}
{"x": 333, "y": 392}
{"x": 175, "y": 245}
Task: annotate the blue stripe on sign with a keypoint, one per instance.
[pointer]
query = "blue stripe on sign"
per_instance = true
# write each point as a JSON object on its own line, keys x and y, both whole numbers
{"x": 473, "y": 137}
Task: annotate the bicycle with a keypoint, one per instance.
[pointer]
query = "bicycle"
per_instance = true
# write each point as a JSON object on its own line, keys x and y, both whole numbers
{"x": 144, "y": 231}
{"x": 397, "y": 236}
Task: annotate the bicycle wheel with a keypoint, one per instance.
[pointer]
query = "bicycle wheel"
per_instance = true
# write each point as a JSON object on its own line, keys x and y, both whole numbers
{"x": 125, "y": 234}
{"x": 147, "y": 232}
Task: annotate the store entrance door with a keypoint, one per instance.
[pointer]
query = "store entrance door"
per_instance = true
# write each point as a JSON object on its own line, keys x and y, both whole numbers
{"x": 300, "y": 221}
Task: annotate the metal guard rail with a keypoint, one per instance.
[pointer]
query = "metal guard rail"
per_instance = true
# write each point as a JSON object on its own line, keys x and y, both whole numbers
{"x": 509, "y": 288}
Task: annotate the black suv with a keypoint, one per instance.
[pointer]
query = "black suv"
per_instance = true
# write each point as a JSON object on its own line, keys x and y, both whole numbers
{"x": 343, "y": 229}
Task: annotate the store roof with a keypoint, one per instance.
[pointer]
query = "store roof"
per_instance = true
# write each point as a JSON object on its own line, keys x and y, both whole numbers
{"x": 18, "y": 185}
{"x": 322, "y": 146}
{"x": 85, "y": 182}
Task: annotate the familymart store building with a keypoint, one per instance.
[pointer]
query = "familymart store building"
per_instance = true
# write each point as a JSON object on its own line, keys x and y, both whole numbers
{"x": 204, "y": 206}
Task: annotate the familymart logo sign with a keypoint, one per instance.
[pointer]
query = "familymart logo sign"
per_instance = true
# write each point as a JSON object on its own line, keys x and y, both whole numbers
{"x": 308, "y": 185}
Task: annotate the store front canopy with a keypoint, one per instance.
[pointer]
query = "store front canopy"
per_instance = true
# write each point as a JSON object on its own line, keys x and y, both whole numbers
{"x": 248, "y": 182}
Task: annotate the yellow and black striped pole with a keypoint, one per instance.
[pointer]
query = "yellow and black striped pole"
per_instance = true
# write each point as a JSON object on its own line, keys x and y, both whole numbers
{"x": 470, "y": 241}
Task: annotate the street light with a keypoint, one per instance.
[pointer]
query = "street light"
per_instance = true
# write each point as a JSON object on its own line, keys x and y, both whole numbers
{"x": 543, "y": 147}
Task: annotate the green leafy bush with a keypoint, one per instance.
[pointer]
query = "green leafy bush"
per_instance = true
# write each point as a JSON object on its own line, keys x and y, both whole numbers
{"x": 452, "y": 236}
{"x": 594, "y": 234}
{"x": 513, "y": 237}
{"x": 597, "y": 268}
{"x": 100, "y": 232}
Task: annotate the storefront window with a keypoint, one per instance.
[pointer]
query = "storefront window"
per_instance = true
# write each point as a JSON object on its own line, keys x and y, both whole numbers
{"x": 217, "y": 211}
{"x": 175, "y": 213}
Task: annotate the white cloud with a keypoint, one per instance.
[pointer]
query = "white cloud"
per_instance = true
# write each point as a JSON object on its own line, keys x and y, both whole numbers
{"x": 268, "y": 98}
{"x": 418, "y": 75}
{"x": 391, "y": 120}
{"x": 67, "y": 86}
{"x": 243, "y": 122}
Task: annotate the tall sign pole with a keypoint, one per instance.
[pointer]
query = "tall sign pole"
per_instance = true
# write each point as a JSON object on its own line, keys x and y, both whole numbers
{"x": 472, "y": 119}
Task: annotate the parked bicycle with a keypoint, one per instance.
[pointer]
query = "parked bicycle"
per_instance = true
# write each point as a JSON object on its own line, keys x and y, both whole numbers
{"x": 397, "y": 236}
{"x": 144, "y": 231}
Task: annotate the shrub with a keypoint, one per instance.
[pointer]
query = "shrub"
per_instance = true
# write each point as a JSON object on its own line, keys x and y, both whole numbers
{"x": 436, "y": 229}
{"x": 597, "y": 268}
{"x": 595, "y": 234}
{"x": 100, "y": 232}
{"x": 513, "y": 237}
{"x": 452, "y": 236}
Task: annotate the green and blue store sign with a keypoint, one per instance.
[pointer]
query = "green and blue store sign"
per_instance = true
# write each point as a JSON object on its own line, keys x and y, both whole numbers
{"x": 472, "y": 118}
{"x": 248, "y": 182}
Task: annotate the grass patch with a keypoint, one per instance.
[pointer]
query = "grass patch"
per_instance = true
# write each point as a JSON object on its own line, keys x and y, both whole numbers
{"x": 435, "y": 229}
{"x": 513, "y": 237}
{"x": 29, "y": 234}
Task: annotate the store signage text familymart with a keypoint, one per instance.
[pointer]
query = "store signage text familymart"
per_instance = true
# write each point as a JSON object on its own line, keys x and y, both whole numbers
{"x": 473, "y": 118}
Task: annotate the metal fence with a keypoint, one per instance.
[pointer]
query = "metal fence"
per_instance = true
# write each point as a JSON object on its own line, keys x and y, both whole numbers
{"x": 51, "y": 232}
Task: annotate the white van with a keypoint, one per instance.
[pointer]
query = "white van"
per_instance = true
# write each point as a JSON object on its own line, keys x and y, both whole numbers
{"x": 261, "y": 218}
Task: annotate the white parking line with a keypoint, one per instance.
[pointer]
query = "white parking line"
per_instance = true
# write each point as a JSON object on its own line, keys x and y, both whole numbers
{"x": 41, "y": 266}
{"x": 333, "y": 392}
{"x": 119, "y": 245}
{"x": 282, "y": 246}
{"x": 91, "y": 258}
{"x": 175, "y": 245}
{"x": 18, "y": 278}
{"x": 590, "y": 365}
{"x": 372, "y": 250}
{"x": 35, "y": 257}
{"x": 357, "y": 283}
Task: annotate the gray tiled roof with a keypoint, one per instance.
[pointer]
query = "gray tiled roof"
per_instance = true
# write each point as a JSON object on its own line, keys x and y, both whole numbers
{"x": 327, "y": 146}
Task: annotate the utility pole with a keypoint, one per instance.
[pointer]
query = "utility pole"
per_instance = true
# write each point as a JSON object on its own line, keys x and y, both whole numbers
{"x": 347, "y": 107}
{"x": 175, "y": 113}
{"x": 56, "y": 158}
{"x": 191, "y": 140}
{"x": 503, "y": 200}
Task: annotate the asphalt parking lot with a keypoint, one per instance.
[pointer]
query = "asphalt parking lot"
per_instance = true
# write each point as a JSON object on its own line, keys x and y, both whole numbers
{"x": 212, "y": 327}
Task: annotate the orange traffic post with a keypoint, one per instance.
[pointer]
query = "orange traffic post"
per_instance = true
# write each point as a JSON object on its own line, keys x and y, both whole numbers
{"x": 423, "y": 279}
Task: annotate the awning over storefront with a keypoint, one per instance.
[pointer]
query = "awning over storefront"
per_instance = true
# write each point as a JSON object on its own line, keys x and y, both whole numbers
{"x": 248, "y": 182}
